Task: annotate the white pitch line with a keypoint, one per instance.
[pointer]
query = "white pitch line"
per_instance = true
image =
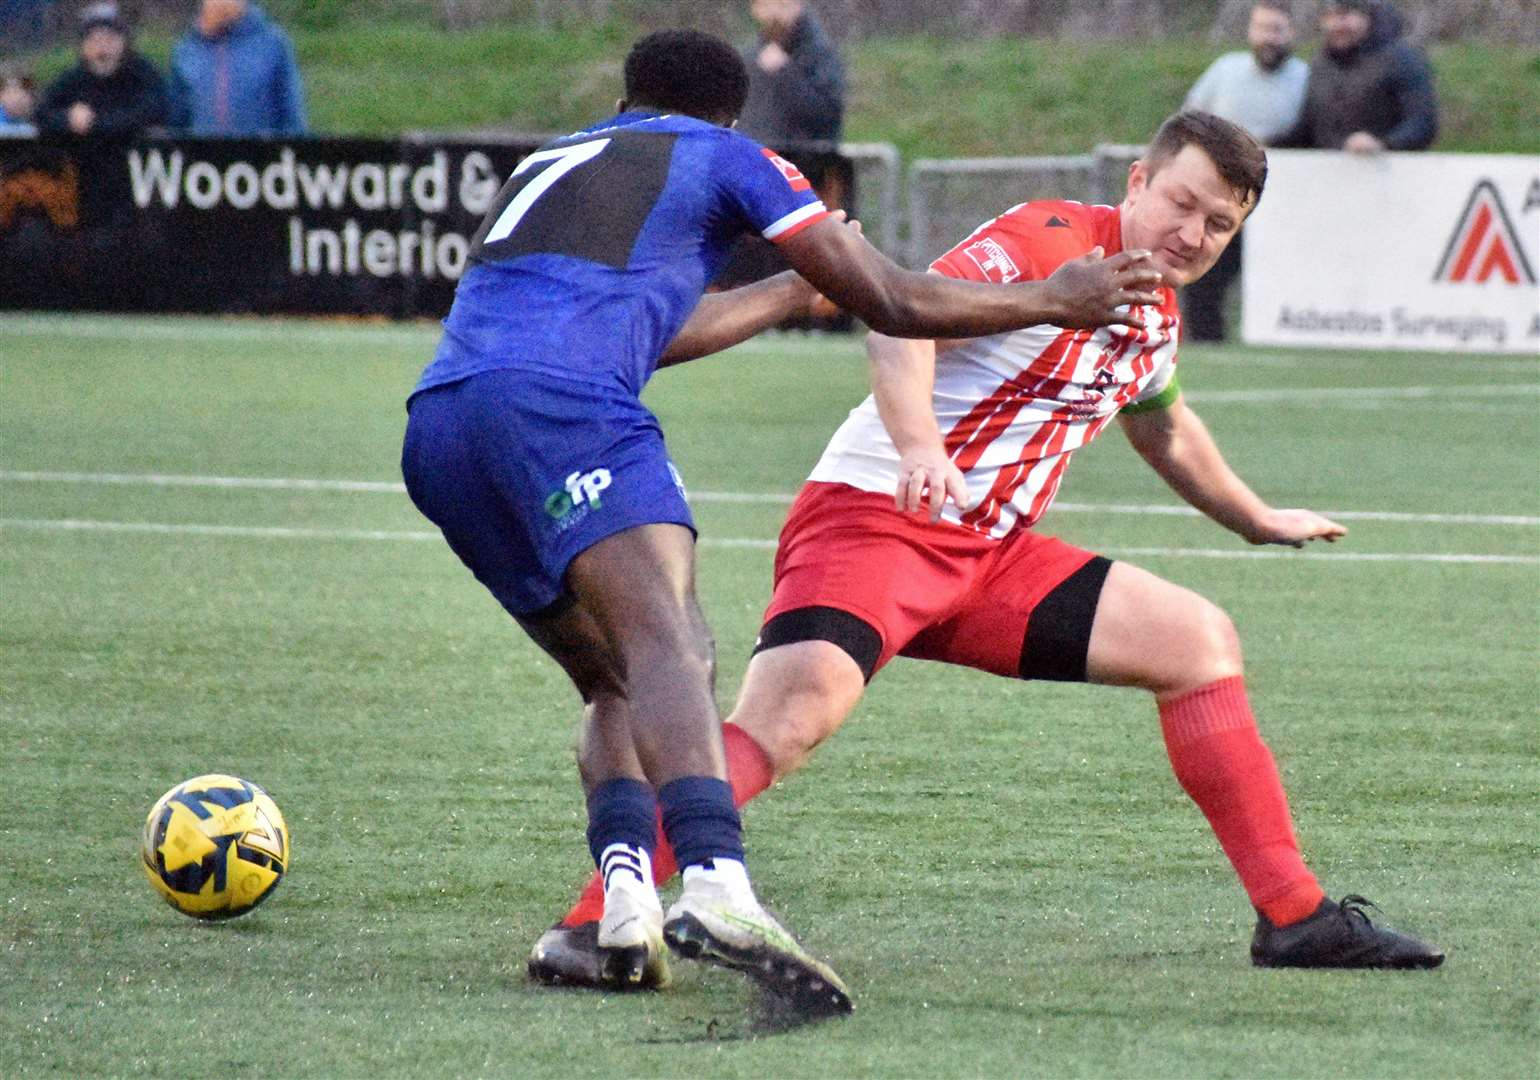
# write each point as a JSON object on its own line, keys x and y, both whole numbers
{"x": 281, "y": 483}
{"x": 250, "y": 532}
{"x": 1167, "y": 510}
{"x": 266, "y": 532}
{"x": 1359, "y": 394}
{"x": 1318, "y": 552}
{"x": 408, "y": 334}
{"x": 769, "y": 498}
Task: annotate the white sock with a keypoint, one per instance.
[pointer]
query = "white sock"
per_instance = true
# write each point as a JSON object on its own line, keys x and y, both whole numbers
{"x": 728, "y": 874}
{"x": 625, "y": 867}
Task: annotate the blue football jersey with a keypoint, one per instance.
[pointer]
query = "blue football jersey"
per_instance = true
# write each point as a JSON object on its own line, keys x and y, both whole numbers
{"x": 600, "y": 245}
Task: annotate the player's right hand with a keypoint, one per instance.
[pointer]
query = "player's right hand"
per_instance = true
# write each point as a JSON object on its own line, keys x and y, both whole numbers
{"x": 927, "y": 477}
{"x": 1092, "y": 291}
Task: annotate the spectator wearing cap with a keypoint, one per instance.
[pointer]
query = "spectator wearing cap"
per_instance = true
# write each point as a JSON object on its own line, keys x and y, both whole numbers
{"x": 18, "y": 101}
{"x": 234, "y": 73}
{"x": 112, "y": 91}
{"x": 1369, "y": 89}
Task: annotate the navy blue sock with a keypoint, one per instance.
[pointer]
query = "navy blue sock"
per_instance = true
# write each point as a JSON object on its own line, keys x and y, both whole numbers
{"x": 622, "y": 811}
{"x": 700, "y": 821}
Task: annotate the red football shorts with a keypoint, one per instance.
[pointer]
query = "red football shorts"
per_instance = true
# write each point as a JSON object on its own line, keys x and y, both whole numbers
{"x": 932, "y": 590}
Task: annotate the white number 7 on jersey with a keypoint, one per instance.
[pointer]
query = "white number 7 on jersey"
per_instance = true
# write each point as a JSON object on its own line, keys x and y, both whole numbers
{"x": 565, "y": 158}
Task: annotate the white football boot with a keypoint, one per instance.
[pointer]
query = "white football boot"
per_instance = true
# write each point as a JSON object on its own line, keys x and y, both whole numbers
{"x": 630, "y": 940}
{"x": 717, "y": 919}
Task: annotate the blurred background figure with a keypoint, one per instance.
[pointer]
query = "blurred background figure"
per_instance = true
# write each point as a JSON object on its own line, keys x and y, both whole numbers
{"x": 1262, "y": 89}
{"x": 24, "y": 25}
{"x": 1369, "y": 89}
{"x": 234, "y": 73}
{"x": 112, "y": 90}
{"x": 796, "y": 77}
{"x": 18, "y": 100}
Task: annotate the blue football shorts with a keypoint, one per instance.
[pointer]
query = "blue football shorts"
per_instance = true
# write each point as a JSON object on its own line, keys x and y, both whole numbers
{"x": 523, "y": 472}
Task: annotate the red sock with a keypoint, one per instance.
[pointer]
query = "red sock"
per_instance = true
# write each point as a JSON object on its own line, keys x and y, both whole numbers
{"x": 748, "y": 771}
{"x": 1221, "y": 761}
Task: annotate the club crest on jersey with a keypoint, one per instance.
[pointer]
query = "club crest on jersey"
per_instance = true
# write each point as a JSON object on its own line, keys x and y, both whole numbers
{"x": 1485, "y": 244}
{"x": 579, "y": 495}
{"x": 993, "y": 261}
{"x": 790, "y": 172}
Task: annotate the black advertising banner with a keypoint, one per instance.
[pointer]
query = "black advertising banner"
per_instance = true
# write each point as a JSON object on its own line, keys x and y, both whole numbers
{"x": 300, "y": 226}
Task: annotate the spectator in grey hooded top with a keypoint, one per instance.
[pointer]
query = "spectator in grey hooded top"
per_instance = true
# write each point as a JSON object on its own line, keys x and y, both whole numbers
{"x": 796, "y": 77}
{"x": 1369, "y": 89}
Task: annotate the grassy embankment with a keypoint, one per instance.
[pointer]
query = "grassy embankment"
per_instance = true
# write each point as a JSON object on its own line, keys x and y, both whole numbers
{"x": 931, "y": 98}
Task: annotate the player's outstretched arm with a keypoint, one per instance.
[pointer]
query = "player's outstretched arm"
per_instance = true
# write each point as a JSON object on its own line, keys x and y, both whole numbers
{"x": 1086, "y": 292}
{"x": 1178, "y": 446}
{"x": 722, "y": 320}
{"x": 903, "y": 372}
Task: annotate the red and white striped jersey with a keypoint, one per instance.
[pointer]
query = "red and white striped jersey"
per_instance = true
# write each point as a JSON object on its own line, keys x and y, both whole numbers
{"x": 1014, "y": 407}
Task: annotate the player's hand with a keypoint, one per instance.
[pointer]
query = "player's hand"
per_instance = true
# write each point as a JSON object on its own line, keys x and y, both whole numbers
{"x": 1296, "y": 528}
{"x": 81, "y": 116}
{"x": 773, "y": 58}
{"x": 1092, "y": 291}
{"x": 1361, "y": 142}
{"x": 927, "y": 477}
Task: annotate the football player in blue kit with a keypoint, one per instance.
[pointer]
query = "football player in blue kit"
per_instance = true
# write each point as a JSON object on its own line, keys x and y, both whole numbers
{"x": 528, "y": 445}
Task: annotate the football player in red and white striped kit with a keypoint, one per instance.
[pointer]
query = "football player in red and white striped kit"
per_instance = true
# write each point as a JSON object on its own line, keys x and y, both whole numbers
{"x": 913, "y": 537}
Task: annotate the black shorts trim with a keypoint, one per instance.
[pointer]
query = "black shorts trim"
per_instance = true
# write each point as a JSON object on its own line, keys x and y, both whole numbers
{"x": 855, "y": 635}
{"x": 1058, "y": 636}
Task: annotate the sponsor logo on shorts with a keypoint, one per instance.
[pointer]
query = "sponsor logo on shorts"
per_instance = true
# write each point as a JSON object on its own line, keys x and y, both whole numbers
{"x": 579, "y": 495}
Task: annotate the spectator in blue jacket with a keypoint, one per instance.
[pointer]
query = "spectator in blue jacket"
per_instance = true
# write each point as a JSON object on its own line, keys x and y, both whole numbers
{"x": 234, "y": 73}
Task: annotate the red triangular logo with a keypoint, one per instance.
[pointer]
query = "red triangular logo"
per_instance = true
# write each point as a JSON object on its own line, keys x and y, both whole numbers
{"x": 1485, "y": 244}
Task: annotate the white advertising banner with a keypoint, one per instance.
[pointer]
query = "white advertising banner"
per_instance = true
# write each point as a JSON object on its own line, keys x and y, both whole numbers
{"x": 1396, "y": 251}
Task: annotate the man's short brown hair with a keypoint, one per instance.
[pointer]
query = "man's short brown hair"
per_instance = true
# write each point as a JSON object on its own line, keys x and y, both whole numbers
{"x": 1282, "y": 7}
{"x": 1240, "y": 159}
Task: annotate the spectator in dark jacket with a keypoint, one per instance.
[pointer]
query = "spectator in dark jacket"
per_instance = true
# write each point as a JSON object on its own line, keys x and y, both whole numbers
{"x": 796, "y": 77}
{"x": 1369, "y": 89}
{"x": 112, "y": 91}
{"x": 234, "y": 73}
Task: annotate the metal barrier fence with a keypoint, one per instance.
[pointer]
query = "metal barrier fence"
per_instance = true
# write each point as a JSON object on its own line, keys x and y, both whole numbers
{"x": 948, "y": 199}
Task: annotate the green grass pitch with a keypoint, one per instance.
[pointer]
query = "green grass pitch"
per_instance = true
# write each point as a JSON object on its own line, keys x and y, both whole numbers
{"x": 1006, "y": 874}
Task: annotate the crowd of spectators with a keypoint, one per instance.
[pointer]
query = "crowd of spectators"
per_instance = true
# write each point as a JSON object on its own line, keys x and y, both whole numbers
{"x": 1367, "y": 90}
{"x": 233, "y": 73}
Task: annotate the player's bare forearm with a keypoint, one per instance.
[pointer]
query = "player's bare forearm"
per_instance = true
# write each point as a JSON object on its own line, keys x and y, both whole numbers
{"x": 1178, "y": 446}
{"x": 722, "y": 320}
{"x": 903, "y": 375}
{"x": 908, "y": 304}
